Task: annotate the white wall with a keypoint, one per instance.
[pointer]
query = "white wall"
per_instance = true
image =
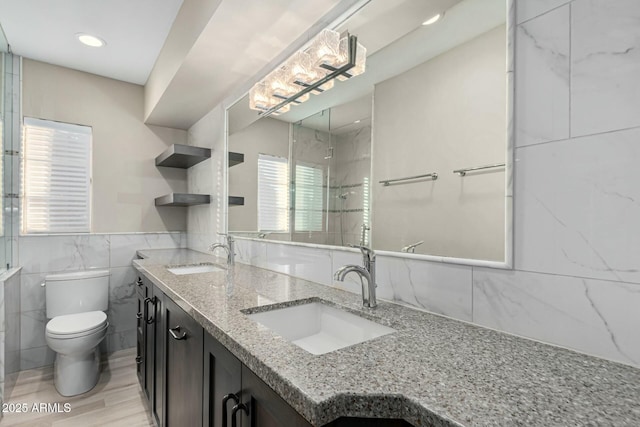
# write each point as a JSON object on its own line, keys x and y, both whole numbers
{"x": 125, "y": 178}
{"x": 445, "y": 114}
{"x": 576, "y": 281}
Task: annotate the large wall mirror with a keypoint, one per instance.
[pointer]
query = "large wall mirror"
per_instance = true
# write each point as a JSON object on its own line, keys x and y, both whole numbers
{"x": 412, "y": 156}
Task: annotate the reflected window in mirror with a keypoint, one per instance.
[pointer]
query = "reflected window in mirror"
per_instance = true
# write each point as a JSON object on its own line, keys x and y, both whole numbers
{"x": 273, "y": 194}
{"x": 309, "y": 190}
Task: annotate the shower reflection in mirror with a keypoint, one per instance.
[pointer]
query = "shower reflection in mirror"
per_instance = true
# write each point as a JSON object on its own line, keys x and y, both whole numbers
{"x": 312, "y": 178}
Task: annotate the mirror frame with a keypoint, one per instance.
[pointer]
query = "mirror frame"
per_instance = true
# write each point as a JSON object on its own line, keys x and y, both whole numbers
{"x": 509, "y": 151}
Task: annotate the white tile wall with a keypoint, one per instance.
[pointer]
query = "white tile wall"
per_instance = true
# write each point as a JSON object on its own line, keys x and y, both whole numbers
{"x": 605, "y": 65}
{"x": 306, "y": 263}
{"x": 577, "y": 207}
{"x": 123, "y": 247}
{"x": 61, "y": 253}
{"x": 439, "y": 288}
{"x": 528, "y": 9}
{"x": 205, "y": 178}
{"x": 595, "y": 316}
{"x": 9, "y": 330}
{"x": 542, "y": 78}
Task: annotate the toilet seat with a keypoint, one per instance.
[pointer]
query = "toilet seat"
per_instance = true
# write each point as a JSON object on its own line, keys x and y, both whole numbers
{"x": 77, "y": 325}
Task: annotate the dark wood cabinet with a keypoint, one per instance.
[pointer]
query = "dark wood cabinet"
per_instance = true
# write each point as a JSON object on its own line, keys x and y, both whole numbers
{"x": 149, "y": 340}
{"x": 159, "y": 332}
{"x": 263, "y": 407}
{"x": 222, "y": 383}
{"x": 191, "y": 379}
{"x": 143, "y": 354}
{"x": 183, "y": 367}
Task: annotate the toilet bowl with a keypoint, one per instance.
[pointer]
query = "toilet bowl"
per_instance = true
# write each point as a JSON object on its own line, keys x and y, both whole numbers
{"x": 76, "y": 303}
{"x": 75, "y": 339}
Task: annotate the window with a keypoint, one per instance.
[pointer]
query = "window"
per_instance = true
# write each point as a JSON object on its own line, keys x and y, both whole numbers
{"x": 56, "y": 177}
{"x": 273, "y": 193}
{"x": 308, "y": 207}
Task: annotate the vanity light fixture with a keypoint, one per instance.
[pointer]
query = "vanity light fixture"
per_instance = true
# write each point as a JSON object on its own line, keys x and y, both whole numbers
{"x": 89, "y": 40}
{"x": 310, "y": 70}
{"x": 433, "y": 19}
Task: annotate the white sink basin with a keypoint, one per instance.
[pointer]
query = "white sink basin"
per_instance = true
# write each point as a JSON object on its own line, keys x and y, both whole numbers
{"x": 319, "y": 328}
{"x": 193, "y": 269}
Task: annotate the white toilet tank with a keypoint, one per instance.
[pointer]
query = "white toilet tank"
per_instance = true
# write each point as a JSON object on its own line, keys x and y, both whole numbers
{"x": 77, "y": 292}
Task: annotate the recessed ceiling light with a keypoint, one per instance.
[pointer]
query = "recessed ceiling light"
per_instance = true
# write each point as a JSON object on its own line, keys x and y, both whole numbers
{"x": 357, "y": 121}
{"x": 433, "y": 19}
{"x": 89, "y": 40}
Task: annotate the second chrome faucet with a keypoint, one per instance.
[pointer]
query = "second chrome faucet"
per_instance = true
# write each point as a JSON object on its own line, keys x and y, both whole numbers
{"x": 367, "y": 272}
{"x": 229, "y": 247}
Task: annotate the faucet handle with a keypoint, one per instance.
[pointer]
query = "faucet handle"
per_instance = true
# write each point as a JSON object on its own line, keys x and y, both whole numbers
{"x": 367, "y": 252}
{"x": 228, "y": 237}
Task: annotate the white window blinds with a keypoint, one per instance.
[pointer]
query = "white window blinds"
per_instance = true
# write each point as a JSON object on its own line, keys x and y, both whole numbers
{"x": 308, "y": 206}
{"x": 273, "y": 193}
{"x": 56, "y": 177}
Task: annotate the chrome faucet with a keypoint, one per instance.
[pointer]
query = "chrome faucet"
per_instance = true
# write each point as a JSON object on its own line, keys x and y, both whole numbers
{"x": 367, "y": 271}
{"x": 411, "y": 249}
{"x": 229, "y": 247}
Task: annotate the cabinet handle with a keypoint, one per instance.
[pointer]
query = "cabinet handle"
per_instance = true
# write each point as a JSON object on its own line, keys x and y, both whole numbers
{"x": 145, "y": 307}
{"x": 153, "y": 300}
{"x": 225, "y": 399}
{"x": 175, "y": 336}
{"x": 234, "y": 411}
{"x": 139, "y": 315}
{"x": 138, "y": 359}
{"x": 139, "y": 281}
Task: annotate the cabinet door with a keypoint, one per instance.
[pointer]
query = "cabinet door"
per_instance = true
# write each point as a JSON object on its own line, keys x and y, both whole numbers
{"x": 149, "y": 338}
{"x": 222, "y": 377}
{"x": 141, "y": 294}
{"x": 263, "y": 407}
{"x": 183, "y": 359}
{"x": 157, "y": 402}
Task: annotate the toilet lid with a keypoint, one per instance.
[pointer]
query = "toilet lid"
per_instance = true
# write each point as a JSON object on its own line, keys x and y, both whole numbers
{"x": 75, "y": 323}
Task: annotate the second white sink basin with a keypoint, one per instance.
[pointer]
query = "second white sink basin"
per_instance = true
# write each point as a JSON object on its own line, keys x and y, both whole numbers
{"x": 193, "y": 269}
{"x": 319, "y": 328}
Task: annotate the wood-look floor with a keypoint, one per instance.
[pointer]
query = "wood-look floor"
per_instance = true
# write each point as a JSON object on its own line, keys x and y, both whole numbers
{"x": 117, "y": 399}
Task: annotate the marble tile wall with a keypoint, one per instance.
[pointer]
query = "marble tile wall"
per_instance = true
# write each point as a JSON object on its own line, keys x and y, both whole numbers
{"x": 576, "y": 276}
{"x": 9, "y": 330}
{"x": 42, "y": 255}
{"x": 209, "y": 177}
{"x": 351, "y": 174}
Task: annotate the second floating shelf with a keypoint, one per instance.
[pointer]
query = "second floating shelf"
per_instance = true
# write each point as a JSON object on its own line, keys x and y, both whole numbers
{"x": 183, "y": 199}
{"x": 182, "y": 156}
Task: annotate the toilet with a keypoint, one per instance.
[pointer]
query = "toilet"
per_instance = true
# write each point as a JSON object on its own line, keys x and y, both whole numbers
{"x": 76, "y": 304}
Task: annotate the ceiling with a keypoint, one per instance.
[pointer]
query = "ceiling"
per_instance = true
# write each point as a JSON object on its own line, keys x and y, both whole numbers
{"x": 134, "y": 30}
{"x": 190, "y": 55}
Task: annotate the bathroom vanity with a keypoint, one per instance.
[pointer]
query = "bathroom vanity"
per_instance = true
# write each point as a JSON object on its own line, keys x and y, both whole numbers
{"x": 211, "y": 364}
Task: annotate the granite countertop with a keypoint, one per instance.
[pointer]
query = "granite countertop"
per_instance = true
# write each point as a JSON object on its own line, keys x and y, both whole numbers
{"x": 432, "y": 371}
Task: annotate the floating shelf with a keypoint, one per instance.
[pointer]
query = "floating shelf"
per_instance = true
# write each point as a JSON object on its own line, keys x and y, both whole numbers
{"x": 236, "y": 201}
{"x": 182, "y": 156}
{"x": 235, "y": 158}
{"x": 183, "y": 199}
